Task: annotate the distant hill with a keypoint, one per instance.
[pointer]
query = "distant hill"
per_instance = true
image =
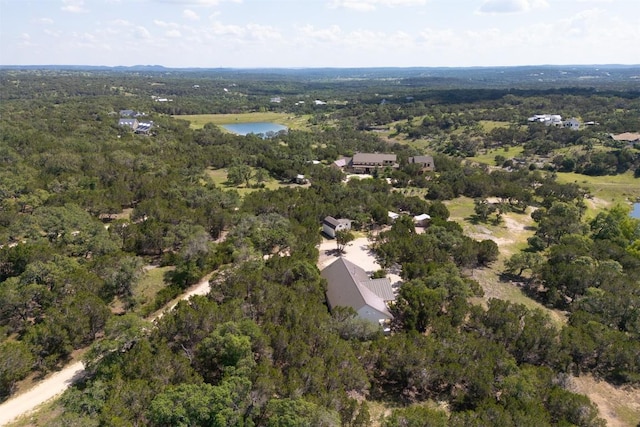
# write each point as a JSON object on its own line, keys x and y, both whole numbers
{"x": 533, "y": 76}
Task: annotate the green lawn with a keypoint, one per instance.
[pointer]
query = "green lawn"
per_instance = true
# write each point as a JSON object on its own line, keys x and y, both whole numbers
{"x": 489, "y": 157}
{"x": 489, "y": 125}
{"x": 219, "y": 177}
{"x": 197, "y": 121}
{"x": 150, "y": 284}
{"x": 607, "y": 191}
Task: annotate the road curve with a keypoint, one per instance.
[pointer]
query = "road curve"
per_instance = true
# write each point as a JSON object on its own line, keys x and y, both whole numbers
{"x": 57, "y": 383}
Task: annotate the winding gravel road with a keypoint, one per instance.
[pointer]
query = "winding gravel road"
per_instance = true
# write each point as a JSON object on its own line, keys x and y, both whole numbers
{"x": 57, "y": 383}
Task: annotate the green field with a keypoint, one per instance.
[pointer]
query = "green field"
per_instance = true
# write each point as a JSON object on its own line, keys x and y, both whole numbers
{"x": 197, "y": 121}
{"x": 219, "y": 178}
{"x": 489, "y": 125}
{"x": 150, "y": 284}
{"x": 608, "y": 190}
{"x": 489, "y": 157}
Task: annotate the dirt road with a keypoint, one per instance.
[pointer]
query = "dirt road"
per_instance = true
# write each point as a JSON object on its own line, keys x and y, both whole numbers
{"x": 57, "y": 383}
{"x": 45, "y": 390}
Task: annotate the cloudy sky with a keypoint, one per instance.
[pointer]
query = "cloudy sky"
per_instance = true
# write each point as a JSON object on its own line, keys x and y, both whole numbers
{"x": 319, "y": 33}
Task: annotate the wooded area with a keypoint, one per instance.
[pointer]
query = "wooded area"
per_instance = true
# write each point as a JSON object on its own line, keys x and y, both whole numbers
{"x": 88, "y": 207}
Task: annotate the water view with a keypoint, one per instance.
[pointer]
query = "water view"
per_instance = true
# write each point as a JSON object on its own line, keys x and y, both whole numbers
{"x": 635, "y": 212}
{"x": 259, "y": 128}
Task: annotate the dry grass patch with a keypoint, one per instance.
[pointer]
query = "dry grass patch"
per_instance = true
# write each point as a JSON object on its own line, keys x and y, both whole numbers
{"x": 511, "y": 237}
{"x": 618, "y": 406}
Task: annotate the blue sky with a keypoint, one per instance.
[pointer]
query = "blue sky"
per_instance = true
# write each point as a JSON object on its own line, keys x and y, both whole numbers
{"x": 319, "y": 33}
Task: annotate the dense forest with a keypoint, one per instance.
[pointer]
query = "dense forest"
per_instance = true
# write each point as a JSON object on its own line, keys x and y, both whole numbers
{"x": 89, "y": 208}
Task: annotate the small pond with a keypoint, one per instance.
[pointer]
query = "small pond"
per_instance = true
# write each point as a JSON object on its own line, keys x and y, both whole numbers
{"x": 635, "y": 212}
{"x": 259, "y": 128}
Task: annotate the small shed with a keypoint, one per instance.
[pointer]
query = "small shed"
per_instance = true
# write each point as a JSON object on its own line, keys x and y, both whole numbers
{"x": 330, "y": 226}
{"x": 421, "y": 220}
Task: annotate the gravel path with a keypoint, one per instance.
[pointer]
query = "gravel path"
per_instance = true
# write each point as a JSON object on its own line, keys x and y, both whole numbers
{"x": 57, "y": 383}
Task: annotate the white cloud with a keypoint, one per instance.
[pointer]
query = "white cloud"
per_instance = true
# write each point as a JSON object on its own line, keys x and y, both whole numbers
{"x": 163, "y": 24}
{"x": 220, "y": 29}
{"x": 190, "y": 15}
{"x": 173, "y": 34}
{"x": 438, "y": 38}
{"x": 206, "y": 3}
{"x": 52, "y": 33}
{"x": 328, "y": 34}
{"x": 367, "y": 5}
{"x": 263, "y": 32}
{"x": 142, "y": 33}
{"x": 121, "y": 23}
{"x": 511, "y": 6}
{"x": 44, "y": 21}
{"x": 73, "y": 6}
{"x": 25, "y": 40}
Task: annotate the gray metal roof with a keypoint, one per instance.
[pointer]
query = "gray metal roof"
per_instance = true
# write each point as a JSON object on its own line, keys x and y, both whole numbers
{"x": 331, "y": 221}
{"x": 381, "y": 287}
{"x": 346, "y": 287}
{"x": 425, "y": 160}
{"x": 359, "y": 158}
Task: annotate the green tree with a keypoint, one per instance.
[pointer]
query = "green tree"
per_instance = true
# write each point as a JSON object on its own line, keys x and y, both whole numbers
{"x": 417, "y": 416}
{"x": 190, "y": 405}
{"x": 16, "y": 361}
{"x": 343, "y": 238}
{"x": 299, "y": 412}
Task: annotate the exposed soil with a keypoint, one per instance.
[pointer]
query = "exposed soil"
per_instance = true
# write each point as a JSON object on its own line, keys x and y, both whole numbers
{"x": 618, "y": 406}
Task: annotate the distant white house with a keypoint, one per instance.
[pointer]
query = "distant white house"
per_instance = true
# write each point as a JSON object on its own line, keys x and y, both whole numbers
{"x": 547, "y": 119}
{"x": 572, "y": 124}
{"x": 392, "y": 216}
{"x": 319, "y": 102}
{"x": 330, "y": 226}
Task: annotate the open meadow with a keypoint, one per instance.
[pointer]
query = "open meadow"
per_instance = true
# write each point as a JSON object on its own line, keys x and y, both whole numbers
{"x": 197, "y": 121}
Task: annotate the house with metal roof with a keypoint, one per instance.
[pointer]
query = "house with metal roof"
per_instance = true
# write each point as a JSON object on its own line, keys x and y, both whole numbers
{"x": 130, "y": 123}
{"x": 368, "y": 162}
{"x": 348, "y": 285}
{"x": 425, "y": 162}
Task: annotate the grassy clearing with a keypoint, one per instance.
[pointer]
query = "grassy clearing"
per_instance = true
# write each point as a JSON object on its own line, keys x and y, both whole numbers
{"x": 489, "y": 125}
{"x": 489, "y": 157}
{"x": 197, "y": 121}
{"x": 511, "y": 236}
{"x": 611, "y": 190}
{"x": 150, "y": 284}
{"x": 219, "y": 178}
{"x": 619, "y": 406}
